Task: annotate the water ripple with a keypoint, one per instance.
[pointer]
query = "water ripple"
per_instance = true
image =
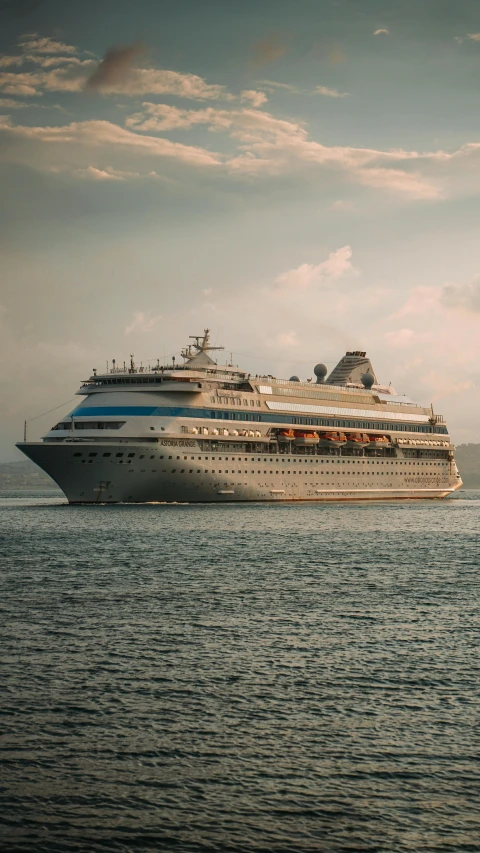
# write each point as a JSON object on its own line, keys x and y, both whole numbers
{"x": 232, "y": 678}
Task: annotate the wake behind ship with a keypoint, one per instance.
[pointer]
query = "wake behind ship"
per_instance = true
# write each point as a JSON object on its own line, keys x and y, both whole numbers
{"x": 201, "y": 432}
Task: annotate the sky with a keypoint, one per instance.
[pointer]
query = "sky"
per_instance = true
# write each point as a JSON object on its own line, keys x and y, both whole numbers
{"x": 300, "y": 176}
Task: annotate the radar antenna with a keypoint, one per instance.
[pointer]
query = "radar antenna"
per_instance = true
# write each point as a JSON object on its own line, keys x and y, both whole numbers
{"x": 201, "y": 343}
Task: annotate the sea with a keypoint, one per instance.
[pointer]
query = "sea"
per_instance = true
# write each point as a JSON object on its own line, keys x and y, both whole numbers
{"x": 251, "y": 677}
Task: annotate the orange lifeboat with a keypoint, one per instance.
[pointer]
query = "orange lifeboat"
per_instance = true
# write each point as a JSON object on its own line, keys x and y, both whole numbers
{"x": 332, "y": 439}
{"x": 357, "y": 439}
{"x": 306, "y": 439}
{"x": 286, "y": 435}
{"x": 378, "y": 441}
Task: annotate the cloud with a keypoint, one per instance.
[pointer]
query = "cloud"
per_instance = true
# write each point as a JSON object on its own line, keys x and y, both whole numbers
{"x": 142, "y": 322}
{"x": 106, "y": 174}
{"x": 34, "y": 43}
{"x": 52, "y": 61}
{"x": 9, "y": 61}
{"x": 163, "y": 117}
{"x": 400, "y": 337}
{"x": 287, "y": 339}
{"x": 382, "y": 31}
{"x": 465, "y": 296}
{"x": 143, "y": 81}
{"x": 337, "y": 264}
{"x": 262, "y": 143}
{"x": 118, "y": 74}
{"x": 273, "y": 84}
{"x": 412, "y": 184}
{"x": 10, "y": 104}
{"x": 421, "y": 301}
{"x": 268, "y": 50}
{"x": 277, "y": 146}
{"x": 257, "y": 99}
{"x": 75, "y": 142}
{"x": 115, "y": 67}
{"x": 330, "y": 93}
{"x": 468, "y": 36}
{"x": 70, "y": 78}
{"x": 18, "y": 84}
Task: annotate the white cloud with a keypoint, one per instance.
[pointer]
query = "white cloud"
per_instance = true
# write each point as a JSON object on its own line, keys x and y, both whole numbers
{"x": 264, "y": 145}
{"x": 337, "y": 264}
{"x": 274, "y": 84}
{"x": 160, "y": 117}
{"x": 412, "y": 184}
{"x": 19, "y": 84}
{"x": 74, "y": 75}
{"x": 257, "y": 99}
{"x": 100, "y": 174}
{"x": 53, "y": 61}
{"x": 382, "y": 31}
{"x": 10, "y": 61}
{"x": 10, "y": 104}
{"x": 34, "y": 43}
{"x": 469, "y": 36}
{"x": 287, "y": 339}
{"x": 77, "y": 140}
{"x": 420, "y": 301}
{"x": 151, "y": 81}
{"x": 466, "y": 296}
{"x": 330, "y": 93}
{"x": 69, "y": 78}
{"x": 142, "y": 322}
{"x": 400, "y": 337}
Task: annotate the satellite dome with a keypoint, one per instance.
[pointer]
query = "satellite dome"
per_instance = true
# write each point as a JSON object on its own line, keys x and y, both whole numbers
{"x": 367, "y": 380}
{"x": 320, "y": 372}
{"x": 294, "y": 379}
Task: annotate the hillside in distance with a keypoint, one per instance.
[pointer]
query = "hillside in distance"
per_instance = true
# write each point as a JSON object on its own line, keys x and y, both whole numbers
{"x": 23, "y": 475}
{"x": 468, "y": 460}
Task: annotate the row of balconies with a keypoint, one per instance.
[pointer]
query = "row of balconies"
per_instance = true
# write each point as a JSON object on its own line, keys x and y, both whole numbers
{"x": 245, "y": 433}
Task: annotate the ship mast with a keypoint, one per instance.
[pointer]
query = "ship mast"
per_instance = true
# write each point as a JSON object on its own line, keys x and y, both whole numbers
{"x": 201, "y": 343}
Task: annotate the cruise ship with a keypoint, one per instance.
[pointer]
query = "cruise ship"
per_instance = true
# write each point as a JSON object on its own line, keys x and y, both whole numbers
{"x": 204, "y": 432}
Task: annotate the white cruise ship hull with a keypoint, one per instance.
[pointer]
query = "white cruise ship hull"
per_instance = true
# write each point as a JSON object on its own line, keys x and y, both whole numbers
{"x": 140, "y": 472}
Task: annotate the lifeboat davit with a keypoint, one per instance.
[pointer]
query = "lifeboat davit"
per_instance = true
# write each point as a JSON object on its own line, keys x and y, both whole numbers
{"x": 357, "y": 439}
{"x": 306, "y": 439}
{"x": 378, "y": 441}
{"x": 332, "y": 439}
{"x": 286, "y": 435}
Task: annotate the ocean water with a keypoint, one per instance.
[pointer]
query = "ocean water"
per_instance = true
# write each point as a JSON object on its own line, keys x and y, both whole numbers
{"x": 240, "y": 678}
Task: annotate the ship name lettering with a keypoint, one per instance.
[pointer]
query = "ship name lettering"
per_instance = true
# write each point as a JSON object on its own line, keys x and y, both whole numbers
{"x": 170, "y": 442}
